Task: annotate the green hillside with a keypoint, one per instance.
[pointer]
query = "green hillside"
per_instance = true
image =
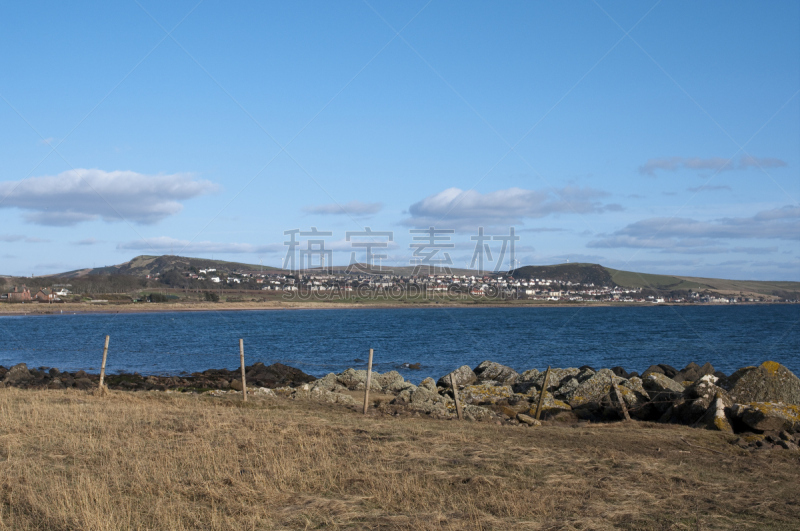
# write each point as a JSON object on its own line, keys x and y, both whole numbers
{"x": 576, "y": 273}
{"x": 150, "y": 265}
{"x": 630, "y": 279}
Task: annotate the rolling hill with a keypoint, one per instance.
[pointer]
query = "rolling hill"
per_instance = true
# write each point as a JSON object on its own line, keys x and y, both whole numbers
{"x": 150, "y": 265}
{"x": 600, "y": 275}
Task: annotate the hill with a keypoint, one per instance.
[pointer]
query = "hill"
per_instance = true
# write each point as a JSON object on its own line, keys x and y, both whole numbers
{"x": 150, "y": 265}
{"x": 600, "y": 275}
{"x": 576, "y": 273}
{"x": 579, "y": 273}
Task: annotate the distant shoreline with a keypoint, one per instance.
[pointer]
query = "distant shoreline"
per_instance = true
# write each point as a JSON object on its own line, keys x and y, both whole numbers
{"x": 34, "y": 309}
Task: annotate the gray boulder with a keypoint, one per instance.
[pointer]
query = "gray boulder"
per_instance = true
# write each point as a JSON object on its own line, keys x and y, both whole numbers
{"x": 769, "y": 382}
{"x": 663, "y": 393}
{"x": 593, "y": 390}
{"x": 422, "y": 399}
{"x": 550, "y": 403}
{"x": 557, "y": 376}
{"x": 485, "y": 393}
{"x": 356, "y": 380}
{"x": 491, "y": 371}
{"x": 659, "y": 383}
{"x": 404, "y": 396}
{"x": 463, "y": 376}
{"x": 697, "y": 399}
{"x": 763, "y": 416}
{"x": 716, "y": 418}
{"x": 585, "y": 374}
{"x": 527, "y": 419}
{"x": 17, "y": 374}
{"x": 390, "y": 380}
{"x": 328, "y": 382}
{"x": 429, "y": 384}
{"x": 477, "y": 413}
{"x": 567, "y": 387}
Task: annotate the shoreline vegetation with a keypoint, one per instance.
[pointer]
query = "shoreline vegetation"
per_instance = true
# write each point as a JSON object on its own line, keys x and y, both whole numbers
{"x": 33, "y": 308}
{"x": 300, "y": 454}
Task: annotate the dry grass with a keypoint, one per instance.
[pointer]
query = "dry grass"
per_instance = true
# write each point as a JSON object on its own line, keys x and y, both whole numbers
{"x": 71, "y": 460}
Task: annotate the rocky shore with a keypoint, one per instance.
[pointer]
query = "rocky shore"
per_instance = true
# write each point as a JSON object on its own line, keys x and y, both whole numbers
{"x": 759, "y": 404}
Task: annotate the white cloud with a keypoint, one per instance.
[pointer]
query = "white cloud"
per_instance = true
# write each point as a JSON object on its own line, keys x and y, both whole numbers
{"x": 353, "y": 208}
{"x": 86, "y": 241}
{"x": 683, "y": 235}
{"x": 167, "y": 244}
{"x": 12, "y": 238}
{"x": 76, "y": 196}
{"x": 458, "y": 208}
{"x": 718, "y": 164}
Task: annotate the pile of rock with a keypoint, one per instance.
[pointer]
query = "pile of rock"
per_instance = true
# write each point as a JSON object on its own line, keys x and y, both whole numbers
{"x": 391, "y": 391}
{"x": 762, "y": 403}
{"x": 257, "y": 375}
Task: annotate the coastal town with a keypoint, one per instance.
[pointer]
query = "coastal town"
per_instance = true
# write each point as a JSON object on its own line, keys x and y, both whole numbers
{"x": 355, "y": 284}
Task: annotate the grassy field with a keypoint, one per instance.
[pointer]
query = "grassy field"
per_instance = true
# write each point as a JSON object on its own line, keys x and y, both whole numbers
{"x": 70, "y": 460}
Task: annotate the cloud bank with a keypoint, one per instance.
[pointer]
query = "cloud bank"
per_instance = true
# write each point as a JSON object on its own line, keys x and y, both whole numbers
{"x": 166, "y": 244}
{"x": 82, "y": 195}
{"x": 458, "y": 208}
{"x": 684, "y": 235}
{"x": 13, "y": 238}
{"x": 353, "y": 208}
{"x": 719, "y": 164}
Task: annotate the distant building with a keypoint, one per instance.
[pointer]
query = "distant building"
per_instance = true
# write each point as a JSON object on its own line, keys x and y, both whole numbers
{"x": 44, "y": 295}
{"x": 19, "y": 295}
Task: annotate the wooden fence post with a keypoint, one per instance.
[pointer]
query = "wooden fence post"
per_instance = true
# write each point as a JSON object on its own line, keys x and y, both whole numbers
{"x": 103, "y": 366}
{"x": 369, "y": 382}
{"x": 241, "y": 359}
{"x": 455, "y": 396}
{"x": 620, "y": 400}
{"x": 541, "y": 395}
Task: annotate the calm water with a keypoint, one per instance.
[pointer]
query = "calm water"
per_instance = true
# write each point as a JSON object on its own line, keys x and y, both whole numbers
{"x": 322, "y": 341}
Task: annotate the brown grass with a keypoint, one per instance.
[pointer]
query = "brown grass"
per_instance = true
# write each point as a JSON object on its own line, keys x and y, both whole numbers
{"x": 71, "y": 460}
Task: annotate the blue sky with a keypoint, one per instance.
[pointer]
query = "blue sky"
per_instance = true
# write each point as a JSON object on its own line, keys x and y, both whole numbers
{"x": 652, "y": 136}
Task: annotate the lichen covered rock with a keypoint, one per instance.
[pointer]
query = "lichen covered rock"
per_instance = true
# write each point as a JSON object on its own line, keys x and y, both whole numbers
{"x": 769, "y": 382}
{"x": 593, "y": 390}
{"x": 485, "y": 393}
{"x": 356, "y": 380}
{"x": 491, "y": 371}
{"x": 764, "y": 416}
{"x": 715, "y": 417}
{"x": 462, "y": 376}
{"x": 556, "y": 377}
{"x": 428, "y": 384}
{"x": 549, "y": 403}
{"x": 17, "y": 373}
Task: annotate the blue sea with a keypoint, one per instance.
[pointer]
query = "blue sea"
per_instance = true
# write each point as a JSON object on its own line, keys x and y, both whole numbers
{"x": 439, "y": 339}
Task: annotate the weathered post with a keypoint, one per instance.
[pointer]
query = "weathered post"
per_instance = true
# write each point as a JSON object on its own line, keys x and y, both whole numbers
{"x": 241, "y": 359}
{"x": 369, "y": 382}
{"x": 103, "y": 366}
{"x": 455, "y": 396}
{"x": 620, "y": 400}
{"x": 541, "y": 395}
